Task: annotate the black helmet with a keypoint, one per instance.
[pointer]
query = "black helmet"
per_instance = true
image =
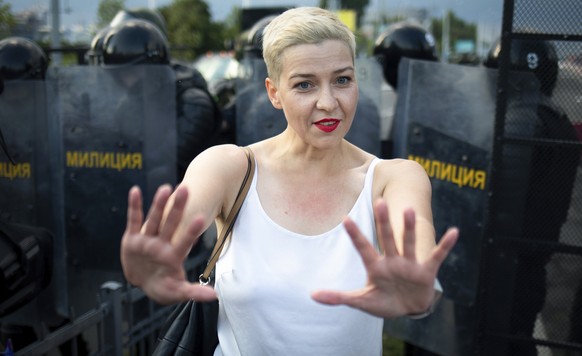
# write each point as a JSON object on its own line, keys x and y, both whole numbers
{"x": 147, "y": 14}
{"x": 21, "y": 59}
{"x": 94, "y": 55}
{"x": 254, "y": 38}
{"x": 536, "y": 56}
{"x": 403, "y": 39}
{"x": 135, "y": 42}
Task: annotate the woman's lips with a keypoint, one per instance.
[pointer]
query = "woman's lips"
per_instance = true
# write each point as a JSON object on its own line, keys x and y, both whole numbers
{"x": 327, "y": 125}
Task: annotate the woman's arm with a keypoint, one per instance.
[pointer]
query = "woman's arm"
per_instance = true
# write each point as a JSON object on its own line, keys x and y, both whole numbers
{"x": 407, "y": 190}
{"x": 153, "y": 252}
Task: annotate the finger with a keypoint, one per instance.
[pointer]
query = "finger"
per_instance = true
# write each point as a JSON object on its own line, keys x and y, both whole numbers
{"x": 156, "y": 211}
{"x": 366, "y": 250}
{"x": 330, "y": 297}
{"x": 134, "y": 211}
{"x": 443, "y": 248}
{"x": 409, "y": 243}
{"x": 175, "y": 215}
{"x": 384, "y": 228}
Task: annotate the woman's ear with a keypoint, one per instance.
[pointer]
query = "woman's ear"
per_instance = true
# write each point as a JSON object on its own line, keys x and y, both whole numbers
{"x": 273, "y": 93}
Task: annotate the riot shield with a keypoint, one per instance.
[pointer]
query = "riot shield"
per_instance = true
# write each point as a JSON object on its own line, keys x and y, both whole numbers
{"x": 24, "y": 186}
{"x": 451, "y": 136}
{"x": 257, "y": 119}
{"x": 27, "y": 186}
{"x": 118, "y": 129}
{"x": 365, "y": 130}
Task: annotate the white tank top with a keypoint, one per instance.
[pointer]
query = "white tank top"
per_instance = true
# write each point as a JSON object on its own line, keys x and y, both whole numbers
{"x": 266, "y": 274}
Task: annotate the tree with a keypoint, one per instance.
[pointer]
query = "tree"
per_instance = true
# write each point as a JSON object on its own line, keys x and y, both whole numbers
{"x": 231, "y": 27}
{"x": 358, "y": 5}
{"x": 459, "y": 30}
{"x": 190, "y": 29}
{"x": 107, "y": 11}
{"x": 7, "y": 20}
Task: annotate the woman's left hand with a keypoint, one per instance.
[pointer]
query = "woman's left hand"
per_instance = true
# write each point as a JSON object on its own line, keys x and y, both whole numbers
{"x": 398, "y": 283}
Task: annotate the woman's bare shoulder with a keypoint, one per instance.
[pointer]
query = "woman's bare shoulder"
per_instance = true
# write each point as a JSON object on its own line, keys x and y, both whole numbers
{"x": 399, "y": 170}
{"x": 227, "y": 161}
{"x": 212, "y": 179}
{"x": 400, "y": 166}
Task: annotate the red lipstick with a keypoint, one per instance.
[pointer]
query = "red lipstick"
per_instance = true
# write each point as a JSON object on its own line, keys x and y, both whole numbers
{"x": 327, "y": 125}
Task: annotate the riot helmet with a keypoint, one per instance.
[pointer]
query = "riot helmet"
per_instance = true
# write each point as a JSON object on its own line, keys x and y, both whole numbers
{"x": 135, "y": 41}
{"x": 147, "y": 14}
{"x": 536, "y": 56}
{"x": 94, "y": 55}
{"x": 22, "y": 59}
{"x": 403, "y": 39}
{"x": 254, "y": 40}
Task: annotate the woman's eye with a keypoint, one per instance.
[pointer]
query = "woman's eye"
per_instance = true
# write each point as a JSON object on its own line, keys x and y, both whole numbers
{"x": 343, "y": 80}
{"x": 303, "y": 85}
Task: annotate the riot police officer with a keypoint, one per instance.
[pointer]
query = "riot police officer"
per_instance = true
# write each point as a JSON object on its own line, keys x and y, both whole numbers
{"x": 250, "y": 115}
{"x": 138, "y": 36}
{"x": 132, "y": 41}
{"x": 23, "y": 62}
{"x": 401, "y": 39}
{"x": 548, "y": 174}
{"x": 147, "y": 14}
{"x": 22, "y": 59}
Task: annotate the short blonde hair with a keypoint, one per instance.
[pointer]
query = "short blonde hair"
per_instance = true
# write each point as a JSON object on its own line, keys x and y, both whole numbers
{"x": 302, "y": 25}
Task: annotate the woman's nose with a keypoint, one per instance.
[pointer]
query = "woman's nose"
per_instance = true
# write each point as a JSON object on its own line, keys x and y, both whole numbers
{"x": 326, "y": 100}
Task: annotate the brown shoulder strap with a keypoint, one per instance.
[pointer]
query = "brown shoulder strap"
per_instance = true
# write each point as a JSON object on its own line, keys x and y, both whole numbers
{"x": 204, "y": 278}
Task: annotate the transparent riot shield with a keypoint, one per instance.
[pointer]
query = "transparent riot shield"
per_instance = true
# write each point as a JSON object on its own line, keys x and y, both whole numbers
{"x": 257, "y": 119}
{"x": 365, "y": 130}
{"x": 444, "y": 120}
{"x": 118, "y": 129}
{"x": 24, "y": 186}
{"x": 27, "y": 186}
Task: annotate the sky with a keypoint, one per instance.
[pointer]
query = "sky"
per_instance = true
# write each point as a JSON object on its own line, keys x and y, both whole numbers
{"x": 83, "y": 12}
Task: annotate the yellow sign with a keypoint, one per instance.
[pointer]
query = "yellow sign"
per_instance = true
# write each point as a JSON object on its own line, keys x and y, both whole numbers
{"x": 15, "y": 171}
{"x": 450, "y": 172}
{"x": 348, "y": 17}
{"x": 108, "y": 160}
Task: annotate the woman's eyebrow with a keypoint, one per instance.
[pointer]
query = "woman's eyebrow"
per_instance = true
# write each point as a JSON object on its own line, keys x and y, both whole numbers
{"x": 311, "y": 75}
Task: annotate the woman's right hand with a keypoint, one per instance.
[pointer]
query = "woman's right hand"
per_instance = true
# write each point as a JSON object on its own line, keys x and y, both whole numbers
{"x": 151, "y": 258}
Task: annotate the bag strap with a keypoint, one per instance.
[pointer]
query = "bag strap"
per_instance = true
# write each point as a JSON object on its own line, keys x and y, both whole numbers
{"x": 204, "y": 278}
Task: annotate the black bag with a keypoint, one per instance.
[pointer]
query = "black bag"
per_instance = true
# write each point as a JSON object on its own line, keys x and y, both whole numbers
{"x": 26, "y": 259}
{"x": 191, "y": 327}
{"x": 190, "y": 330}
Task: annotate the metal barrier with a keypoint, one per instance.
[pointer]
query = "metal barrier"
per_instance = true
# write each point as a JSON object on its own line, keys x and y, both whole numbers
{"x": 124, "y": 322}
{"x": 530, "y": 281}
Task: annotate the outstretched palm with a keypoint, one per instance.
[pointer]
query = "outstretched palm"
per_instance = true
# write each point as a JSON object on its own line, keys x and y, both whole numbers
{"x": 398, "y": 283}
{"x": 151, "y": 258}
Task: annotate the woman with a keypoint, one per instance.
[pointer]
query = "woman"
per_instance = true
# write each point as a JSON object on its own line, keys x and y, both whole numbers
{"x": 290, "y": 281}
